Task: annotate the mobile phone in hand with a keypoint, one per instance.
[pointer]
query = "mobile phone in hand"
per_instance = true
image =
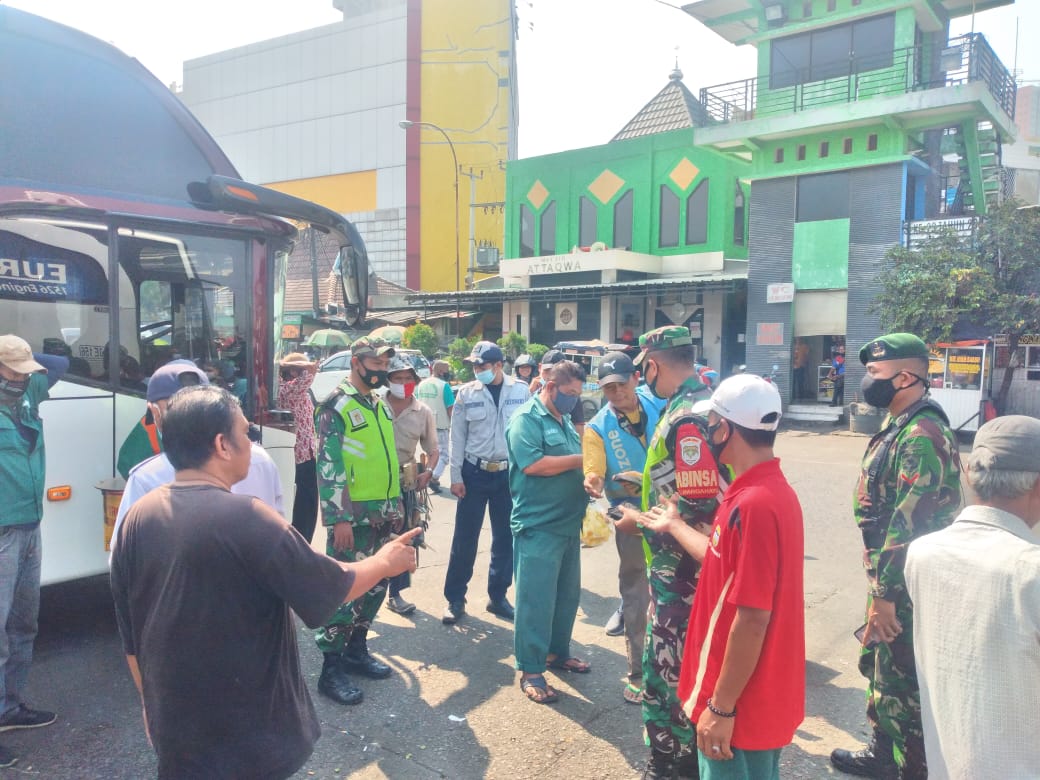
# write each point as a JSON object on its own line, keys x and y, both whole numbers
{"x": 860, "y": 632}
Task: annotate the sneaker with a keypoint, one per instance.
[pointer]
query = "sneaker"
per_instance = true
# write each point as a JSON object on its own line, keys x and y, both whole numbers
{"x": 21, "y": 717}
{"x": 453, "y": 612}
{"x": 616, "y": 624}
{"x": 7, "y": 758}
{"x": 399, "y": 605}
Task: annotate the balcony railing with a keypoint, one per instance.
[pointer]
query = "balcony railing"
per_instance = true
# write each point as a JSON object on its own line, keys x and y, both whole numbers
{"x": 963, "y": 60}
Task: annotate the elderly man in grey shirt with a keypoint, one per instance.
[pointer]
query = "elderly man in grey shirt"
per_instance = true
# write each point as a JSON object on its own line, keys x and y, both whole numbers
{"x": 480, "y": 479}
{"x": 976, "y": 592}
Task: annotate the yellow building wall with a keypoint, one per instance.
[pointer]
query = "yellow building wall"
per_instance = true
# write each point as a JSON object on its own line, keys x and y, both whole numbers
{"x": 466, "y": 88}
{"x": 344, "y": 193}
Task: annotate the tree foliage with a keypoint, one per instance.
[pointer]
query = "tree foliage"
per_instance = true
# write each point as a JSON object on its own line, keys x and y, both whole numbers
{"x": 513, "y": 345}
{"x": 422, "y": 337}
{"x": 536, "y": 351}
{"x": 458, "y": 350}
{"x": 950, "y": 284}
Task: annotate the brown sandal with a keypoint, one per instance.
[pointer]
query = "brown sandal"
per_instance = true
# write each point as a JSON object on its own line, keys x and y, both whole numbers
{"x": 536, "y": 682}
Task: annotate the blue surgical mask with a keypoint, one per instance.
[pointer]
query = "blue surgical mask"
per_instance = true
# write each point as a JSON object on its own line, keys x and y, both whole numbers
{"x": 564, "y": 403}
{"x": 485, "y": 377}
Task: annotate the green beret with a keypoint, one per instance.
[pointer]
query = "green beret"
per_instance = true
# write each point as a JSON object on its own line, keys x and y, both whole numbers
{"x": 668, "y": 337}
{"x": 366, "y": 345}
{"x": 894, "y": 346}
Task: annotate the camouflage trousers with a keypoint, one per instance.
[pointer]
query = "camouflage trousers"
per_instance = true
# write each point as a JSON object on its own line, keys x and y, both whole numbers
{"x": 359, "y": 613}
{"x": 893, "y": 696}
{"x": 673, "y": 579}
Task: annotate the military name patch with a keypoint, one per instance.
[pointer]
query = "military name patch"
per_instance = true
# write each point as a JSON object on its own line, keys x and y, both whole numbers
{"x": 696, "y": 475}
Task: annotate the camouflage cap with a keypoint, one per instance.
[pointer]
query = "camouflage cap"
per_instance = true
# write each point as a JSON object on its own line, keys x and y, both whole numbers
{"x": 366, "y": 345}
{"x": 894, "y": 346}
{"x": 668, "y": 337}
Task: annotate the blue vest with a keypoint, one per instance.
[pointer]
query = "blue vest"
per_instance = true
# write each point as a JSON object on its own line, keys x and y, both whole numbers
{"x": 624, "y": 451}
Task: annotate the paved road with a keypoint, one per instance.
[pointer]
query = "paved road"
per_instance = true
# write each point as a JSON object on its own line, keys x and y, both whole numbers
{"x": 453, "y": 708}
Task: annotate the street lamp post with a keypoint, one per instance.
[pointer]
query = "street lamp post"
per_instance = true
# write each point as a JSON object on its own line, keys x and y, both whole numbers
{"x": 405, "y": 124}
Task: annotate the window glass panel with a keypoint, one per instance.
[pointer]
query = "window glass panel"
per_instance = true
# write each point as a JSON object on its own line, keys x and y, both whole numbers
{"x": 54, "y": 292}
{"x": 823, "y": 196}
{"x": 526, "y": 232}
{"x": 789, "y": 61}
{"x": 697, "y": 214}
{"x": 587, "y": 222}
{"x": 668, "y": 229}
{"x": 738, "y": 216}
{"x": 547, "y": 236}
{"x": 872, "y": 43}
{"x": 623, "y": 221}
{"x": 830, "y": 53}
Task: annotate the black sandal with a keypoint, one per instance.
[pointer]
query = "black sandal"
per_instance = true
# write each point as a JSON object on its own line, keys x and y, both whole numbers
{"x": 537, "y": 681}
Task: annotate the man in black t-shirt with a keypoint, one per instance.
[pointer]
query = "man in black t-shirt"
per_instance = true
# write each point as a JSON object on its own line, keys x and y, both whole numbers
{"x": 203, "y": 582}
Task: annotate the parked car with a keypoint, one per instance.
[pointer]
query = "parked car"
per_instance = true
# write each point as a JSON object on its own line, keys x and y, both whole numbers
{"x": 331, "y": 371}
{"x": 336, "y": 368}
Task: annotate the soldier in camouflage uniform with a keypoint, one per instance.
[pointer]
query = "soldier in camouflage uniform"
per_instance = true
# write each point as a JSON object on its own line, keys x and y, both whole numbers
{"x": 909, "y": 486}
{"x": 359, "y": 490}
{"x": 667, "y": 363}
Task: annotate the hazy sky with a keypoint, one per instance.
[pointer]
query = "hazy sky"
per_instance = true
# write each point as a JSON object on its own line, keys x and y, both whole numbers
{"x": 585, "y": 67}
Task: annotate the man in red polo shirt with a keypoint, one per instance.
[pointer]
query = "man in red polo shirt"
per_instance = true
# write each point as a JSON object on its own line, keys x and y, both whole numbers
{"x": 742, "y": 678}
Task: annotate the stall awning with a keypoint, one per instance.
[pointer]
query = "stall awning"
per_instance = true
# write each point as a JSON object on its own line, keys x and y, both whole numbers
{"x": 409, "y": 316}
{"x": 719, "y": 282}
{"x": 820, "y": 312}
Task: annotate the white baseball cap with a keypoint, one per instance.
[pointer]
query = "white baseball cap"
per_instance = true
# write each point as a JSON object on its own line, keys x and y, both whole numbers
{"x": 749, "y": 401}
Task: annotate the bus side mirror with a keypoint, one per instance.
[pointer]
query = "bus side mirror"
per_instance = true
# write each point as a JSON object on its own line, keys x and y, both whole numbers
{"x": 351, "y": 268}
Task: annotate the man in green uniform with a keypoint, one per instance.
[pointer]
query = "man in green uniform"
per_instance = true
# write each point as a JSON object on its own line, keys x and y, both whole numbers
{"x": 692, "y": 478}
{"x": 548, "y": 505}
{"x": 359, "y": 490}
{"x": 909, "y": 486}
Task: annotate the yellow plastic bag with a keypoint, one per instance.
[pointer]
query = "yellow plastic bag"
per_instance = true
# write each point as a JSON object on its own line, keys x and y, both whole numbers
{"x": 595, "y": 527}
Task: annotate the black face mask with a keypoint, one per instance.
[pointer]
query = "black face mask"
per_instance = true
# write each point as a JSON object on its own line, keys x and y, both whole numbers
{"x": 716, "y": 449}
{"x": 13, "y": 388}
{"x": 372, "y": 379}
{"x": 881, "y": 392}
{"x": 652, "y": 384}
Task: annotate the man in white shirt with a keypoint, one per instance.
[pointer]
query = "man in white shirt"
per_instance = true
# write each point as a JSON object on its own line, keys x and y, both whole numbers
{"x": 975, "y": 586}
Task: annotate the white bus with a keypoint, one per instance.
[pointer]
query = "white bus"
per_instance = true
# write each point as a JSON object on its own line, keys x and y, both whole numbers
{"x": 126, "y": 240}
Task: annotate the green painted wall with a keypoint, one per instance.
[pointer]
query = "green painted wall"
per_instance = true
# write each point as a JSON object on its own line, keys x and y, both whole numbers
{"x": 644, "y": 165}
{"x": 820, "y": 260}
{"x": 891, "y": 147}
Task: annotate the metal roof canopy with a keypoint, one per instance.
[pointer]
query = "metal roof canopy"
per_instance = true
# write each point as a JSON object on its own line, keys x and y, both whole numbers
{"x": 707, "y": 283}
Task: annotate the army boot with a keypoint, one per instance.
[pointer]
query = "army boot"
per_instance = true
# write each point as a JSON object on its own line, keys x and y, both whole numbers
{"x": 335, "y": 684}
{"x": 660, "y": 766}
{"x": 875, "y": 760}
{"x": 356, "y": 657}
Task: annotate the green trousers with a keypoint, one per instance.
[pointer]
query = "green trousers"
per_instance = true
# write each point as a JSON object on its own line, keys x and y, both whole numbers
{"x": 359, "y": 613}
{"x": 745, "y": 765}
{"x": 547, "y": 568}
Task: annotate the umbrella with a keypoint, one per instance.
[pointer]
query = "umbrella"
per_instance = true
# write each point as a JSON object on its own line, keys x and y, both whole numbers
{"x": 328, "y": 337}
{"x": 391, "y": 334}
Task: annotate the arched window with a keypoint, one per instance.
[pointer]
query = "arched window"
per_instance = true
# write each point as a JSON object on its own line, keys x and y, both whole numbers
{"x": 526, "y": 231}
{"x": 739, "y": 216}
{"x": 697, "y": 214}
{"x": 668, "y": 225}
{"x": 586, "y": 222}
{"x": 623, "y": 221}
{"x": 547, "y": 230}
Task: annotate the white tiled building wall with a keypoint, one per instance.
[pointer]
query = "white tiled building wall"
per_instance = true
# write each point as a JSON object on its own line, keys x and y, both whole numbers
{"x": 384, "y": 235}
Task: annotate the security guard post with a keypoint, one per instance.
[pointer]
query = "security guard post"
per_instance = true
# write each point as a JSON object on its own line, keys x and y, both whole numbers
{"x": 359, "y": 489}
{"x": 909, "y": 486}
{"x": 480, "y": 478}
{"x": 679, "y": 464}
{"x": 614, "y": 442}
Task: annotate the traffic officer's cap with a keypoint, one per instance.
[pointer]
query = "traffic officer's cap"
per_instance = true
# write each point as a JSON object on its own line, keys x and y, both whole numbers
{"x": 668, "y": 337}
{"x": 485, "y": 352}
{"x": 366, "y": 345}
{"x": 894, "y": 346}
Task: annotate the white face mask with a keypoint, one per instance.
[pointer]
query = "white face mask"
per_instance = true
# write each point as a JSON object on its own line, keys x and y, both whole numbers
{"x": 397, "y": 389}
